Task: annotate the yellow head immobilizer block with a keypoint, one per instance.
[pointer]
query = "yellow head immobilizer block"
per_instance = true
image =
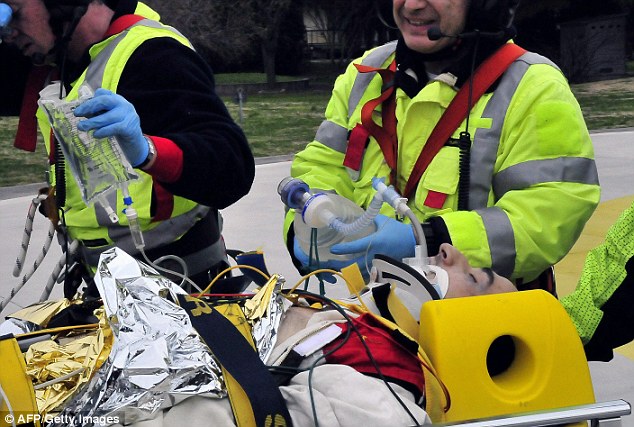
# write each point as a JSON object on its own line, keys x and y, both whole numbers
{"x": 544, "y": 365}
{"x": 17, "y": 386}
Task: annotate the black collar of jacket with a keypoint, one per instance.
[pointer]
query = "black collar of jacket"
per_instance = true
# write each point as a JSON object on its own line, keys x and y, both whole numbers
{"x": 74, "y": 70}
{"x": 463, "y": 50}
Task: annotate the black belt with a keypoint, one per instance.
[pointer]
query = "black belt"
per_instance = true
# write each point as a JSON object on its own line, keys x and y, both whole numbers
{"x": 241, "y": 360}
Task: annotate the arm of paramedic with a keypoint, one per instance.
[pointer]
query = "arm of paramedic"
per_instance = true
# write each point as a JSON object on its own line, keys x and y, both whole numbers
{"x": 202, "y": 154}
{"x": 601, "y": 304}
{"x": 544, "y": 180}
{"x": 320, "y": 164}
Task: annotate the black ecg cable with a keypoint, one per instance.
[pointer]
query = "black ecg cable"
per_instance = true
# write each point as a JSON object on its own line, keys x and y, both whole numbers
{"x": 354, "y": 329}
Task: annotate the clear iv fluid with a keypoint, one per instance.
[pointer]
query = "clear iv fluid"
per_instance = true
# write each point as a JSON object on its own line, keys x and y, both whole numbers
{"x": 97, "y": 164}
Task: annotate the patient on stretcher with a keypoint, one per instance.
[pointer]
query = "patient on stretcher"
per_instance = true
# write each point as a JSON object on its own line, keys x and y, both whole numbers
{"x": 355, "y": 399}
{"x": 349, "y": 381}
{"x": 354, "y": 370}
{"x": 357, "y": 371}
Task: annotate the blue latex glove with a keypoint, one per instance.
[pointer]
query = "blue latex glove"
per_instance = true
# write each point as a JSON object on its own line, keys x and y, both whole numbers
{"x": 330, "y": 264}
{"x": 392, "y": 238}
{"x": 5, "y": 15}
{"x": 111, "y": 115}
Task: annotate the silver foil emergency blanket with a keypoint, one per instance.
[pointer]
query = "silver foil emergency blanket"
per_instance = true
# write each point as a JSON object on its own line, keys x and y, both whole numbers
{"x": 265, "y": 312}
{"x": 157, "y": 359}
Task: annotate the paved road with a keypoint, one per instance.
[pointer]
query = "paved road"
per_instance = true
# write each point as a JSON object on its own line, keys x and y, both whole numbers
{"x": 256, "y": 220}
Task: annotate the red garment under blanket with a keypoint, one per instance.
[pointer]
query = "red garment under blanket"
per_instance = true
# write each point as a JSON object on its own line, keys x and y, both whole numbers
{"x": 396, "y": 363}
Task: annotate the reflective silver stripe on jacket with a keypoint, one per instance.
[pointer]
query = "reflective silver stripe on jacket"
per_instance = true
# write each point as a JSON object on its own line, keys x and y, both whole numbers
{"x": 333, "y": 136}
{"x": 501, "y": 239}
{"x": 166, "y": 232}
{"x": 484, "y": 151}
{"x": 563, "y": 169}
{"x": 376, "y": 58}
{"x": 486, "y": 142}
{"x": 97, "y": 67}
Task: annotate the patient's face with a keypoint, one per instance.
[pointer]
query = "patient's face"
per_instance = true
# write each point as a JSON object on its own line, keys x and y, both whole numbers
{"x": 465, "y": 280}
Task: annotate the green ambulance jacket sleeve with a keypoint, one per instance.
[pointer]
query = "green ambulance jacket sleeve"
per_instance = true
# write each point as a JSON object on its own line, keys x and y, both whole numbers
{"x": 601, "y": 305}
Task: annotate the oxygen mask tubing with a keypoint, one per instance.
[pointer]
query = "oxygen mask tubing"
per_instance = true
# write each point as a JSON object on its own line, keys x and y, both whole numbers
{"x": 324, "y": 219}
{"x": 337, "y": 219}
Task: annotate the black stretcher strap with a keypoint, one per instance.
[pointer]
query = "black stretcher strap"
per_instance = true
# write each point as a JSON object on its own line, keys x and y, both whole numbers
{"x": 237, "y": 356}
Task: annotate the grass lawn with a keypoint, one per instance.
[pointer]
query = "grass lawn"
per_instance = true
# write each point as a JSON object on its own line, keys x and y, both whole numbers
{"x": 281, "y": 123}
{"x": 17, "y": 166}
{"x": 607, "y": 104}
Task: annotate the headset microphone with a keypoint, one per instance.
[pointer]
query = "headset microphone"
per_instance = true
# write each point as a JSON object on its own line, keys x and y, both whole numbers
{"x": 434, "y": 34}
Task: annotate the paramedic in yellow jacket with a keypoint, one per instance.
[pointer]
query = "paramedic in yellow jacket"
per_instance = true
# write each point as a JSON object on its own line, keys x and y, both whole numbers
{"x": 156, "y": 95}
{"x": 512, "y": 187}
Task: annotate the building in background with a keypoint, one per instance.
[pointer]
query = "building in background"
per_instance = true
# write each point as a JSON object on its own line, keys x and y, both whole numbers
{"x": 594, "y": 48}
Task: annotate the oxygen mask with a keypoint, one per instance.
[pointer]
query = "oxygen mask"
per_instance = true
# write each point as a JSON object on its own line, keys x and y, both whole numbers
{"x": 325, "y": 219}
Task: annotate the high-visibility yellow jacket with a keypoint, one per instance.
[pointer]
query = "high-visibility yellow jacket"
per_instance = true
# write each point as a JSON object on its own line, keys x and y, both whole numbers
{"x": 91, "y": 223}
{"x": 533, "y": 180}
{"x": 601, "y": 304}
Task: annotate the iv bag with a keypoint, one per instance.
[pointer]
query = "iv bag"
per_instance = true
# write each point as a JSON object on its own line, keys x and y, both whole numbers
{"x": 97, "y": 164}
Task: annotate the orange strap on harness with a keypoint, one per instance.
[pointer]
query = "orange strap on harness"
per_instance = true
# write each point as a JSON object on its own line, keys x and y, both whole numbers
{"x": 385, "y": 135}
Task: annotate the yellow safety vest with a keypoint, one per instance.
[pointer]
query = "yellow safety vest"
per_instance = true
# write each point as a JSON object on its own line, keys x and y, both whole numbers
{"x": 91, "y": 223}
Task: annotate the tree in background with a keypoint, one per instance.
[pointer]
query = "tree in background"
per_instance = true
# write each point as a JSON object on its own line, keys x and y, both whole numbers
{"x": 267, "y": 17}
{"x": 291, "y": 46}
{"x": 348, "y": 28}
{"x": 213, "y": 27}
{"x": 275, "y": 23}
{"x": 238, "y": 35}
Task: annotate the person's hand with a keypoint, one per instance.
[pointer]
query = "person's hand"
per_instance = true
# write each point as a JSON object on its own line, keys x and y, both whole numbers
{"x": 5, "y": 15}
{"x": 392, "y": 238}
{"x": 111, "y": 115}
{"x": 302, "y": 257}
